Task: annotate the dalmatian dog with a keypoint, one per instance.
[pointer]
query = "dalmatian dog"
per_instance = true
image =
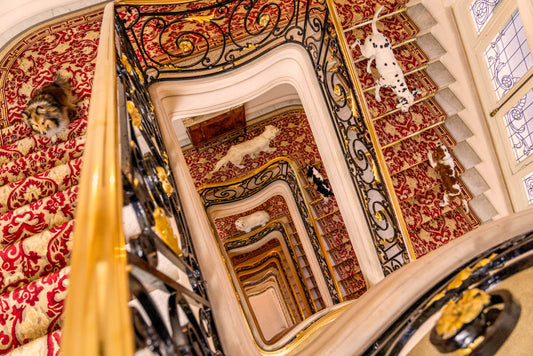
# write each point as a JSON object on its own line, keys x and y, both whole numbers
{"x": 442, "y": 161}
{"x": 251, "y": 147}
{"x": 249, "y": 222}
{"x": 315, "y": 178}
{"x": 377, "y": 47}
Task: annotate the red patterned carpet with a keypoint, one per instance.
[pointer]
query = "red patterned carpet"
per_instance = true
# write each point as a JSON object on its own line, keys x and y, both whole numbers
{"x": 407, "y": 138}
{"x": 295, "y": 141}
{"x": 39, "y": 182}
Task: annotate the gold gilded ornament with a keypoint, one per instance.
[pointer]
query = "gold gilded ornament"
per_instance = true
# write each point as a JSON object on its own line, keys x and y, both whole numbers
{"x": 186, "y": 45}
{"x": 163, "y": 177}
{"x": 164, "y": 230}
{"x": 264, "y": 20}
{"x": 136, "y": 118}
{"x": 457, "y": 314}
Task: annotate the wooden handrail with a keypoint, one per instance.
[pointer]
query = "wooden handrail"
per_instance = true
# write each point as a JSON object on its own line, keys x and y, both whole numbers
{"x": 97, "y": 318}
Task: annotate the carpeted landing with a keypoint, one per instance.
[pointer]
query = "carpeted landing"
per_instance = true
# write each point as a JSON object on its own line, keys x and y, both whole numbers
{"x": 39, "y": 183}
{"x": 406, "y": 138}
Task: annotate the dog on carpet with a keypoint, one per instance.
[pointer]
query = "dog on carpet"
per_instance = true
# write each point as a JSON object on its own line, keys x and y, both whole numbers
{"x": 441, "y": 160}
{"x": 249, "y": 222}
{"x": 315, "y": 178}
{"x": 251, "y": 147}
{"x": 47, "y": 112}
{"x": 377, "y": 47}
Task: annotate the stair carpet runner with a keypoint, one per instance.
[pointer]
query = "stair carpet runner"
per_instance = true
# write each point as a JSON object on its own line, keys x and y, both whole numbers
{"x": 335, "y": 239}
{"x": 303, "y": 264}
{"x": 406, "y": 138}
{"x": 39, "y": 179}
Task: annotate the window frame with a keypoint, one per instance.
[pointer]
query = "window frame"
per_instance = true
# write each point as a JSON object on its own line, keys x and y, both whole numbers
{"x": 495, "y": 109}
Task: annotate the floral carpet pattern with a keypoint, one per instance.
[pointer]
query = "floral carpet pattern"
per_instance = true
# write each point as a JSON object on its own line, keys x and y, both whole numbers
{"x": 39, "y": 179}
{"x": 407, "y": 138}
{"x": 295, "y": 141}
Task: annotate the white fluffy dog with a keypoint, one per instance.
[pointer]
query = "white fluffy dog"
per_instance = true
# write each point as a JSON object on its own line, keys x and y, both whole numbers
{"x": 377, "y": 47}
{"x": 247, "y": 223}
{"x": 251, "y": 147}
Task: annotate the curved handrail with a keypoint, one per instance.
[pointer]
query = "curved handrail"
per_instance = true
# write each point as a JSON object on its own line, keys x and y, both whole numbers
{"x": 97, "y": 318}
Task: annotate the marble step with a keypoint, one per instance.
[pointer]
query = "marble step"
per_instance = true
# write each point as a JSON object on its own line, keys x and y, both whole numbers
{"x": 441, "y": 230}
{"x": 426, "y": 205}
{"x": 354, "y": 12}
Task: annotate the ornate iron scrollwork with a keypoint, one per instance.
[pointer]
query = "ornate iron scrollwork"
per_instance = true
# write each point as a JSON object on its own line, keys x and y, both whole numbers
{"x": 150, "y": 190}
{"x": 277, "y": 170}
{"x": 209, "y": 38}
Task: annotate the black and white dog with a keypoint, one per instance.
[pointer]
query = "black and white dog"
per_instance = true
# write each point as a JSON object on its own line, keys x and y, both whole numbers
{"x": 314, "y": 177}
{"x": 377, "y": 47}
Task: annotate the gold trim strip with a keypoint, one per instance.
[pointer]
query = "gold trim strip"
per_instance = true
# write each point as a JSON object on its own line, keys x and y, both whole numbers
{"x": 388, "y": 113}
{"x": 366, "y": 116}
{"x": 413, "y": 134}
{"x": 97, "y": 317}
{"x": 370, "y": 21}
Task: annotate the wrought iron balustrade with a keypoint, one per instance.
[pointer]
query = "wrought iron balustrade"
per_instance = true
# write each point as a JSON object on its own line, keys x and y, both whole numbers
{"x": 279, "y": 169}
{"x": 150, "y": 192}
{"x": 199, "y": 39}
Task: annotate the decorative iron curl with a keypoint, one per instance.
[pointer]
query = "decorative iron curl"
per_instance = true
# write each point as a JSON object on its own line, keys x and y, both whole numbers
{"x": 308, "y": 24}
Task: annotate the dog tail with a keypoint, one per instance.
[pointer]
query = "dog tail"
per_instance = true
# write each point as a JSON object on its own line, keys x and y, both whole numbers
{"x": 62, "y": 80}
{"x": 375, "y": 20}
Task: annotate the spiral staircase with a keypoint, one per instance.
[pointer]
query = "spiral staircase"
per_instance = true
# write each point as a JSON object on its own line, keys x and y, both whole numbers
{"x": 39, "y": 176}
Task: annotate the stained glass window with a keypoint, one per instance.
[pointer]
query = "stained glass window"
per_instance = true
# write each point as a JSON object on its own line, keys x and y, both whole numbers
{"x": 528, "y": 184}
{"x": 508, "y": 56}
{"x": 482, "y": 11}
{"x": 519, "y": 123}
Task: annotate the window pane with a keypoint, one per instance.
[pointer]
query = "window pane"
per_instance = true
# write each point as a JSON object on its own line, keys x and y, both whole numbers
{"x": 528, "y": 184}
{"x": 482, "y": 11}
{"x": 519, "y": 123}
{"x": 508, "y": 56}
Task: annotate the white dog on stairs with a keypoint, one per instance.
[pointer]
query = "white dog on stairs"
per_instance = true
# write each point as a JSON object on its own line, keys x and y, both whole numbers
{"x": 377, "y": 47}
{"x": 251, "y": 147}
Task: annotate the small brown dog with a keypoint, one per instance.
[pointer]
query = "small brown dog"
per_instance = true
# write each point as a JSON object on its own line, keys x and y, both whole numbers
{"x": 47, "y": 112}
{"x": 442, "y": 161}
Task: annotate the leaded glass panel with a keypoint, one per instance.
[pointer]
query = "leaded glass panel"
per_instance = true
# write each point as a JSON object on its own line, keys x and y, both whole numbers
{"x": 508, "y": 56}
{"x": 519, "y": 124}
{"x": 528, "y": 184}
{"x": 482, "y": 11}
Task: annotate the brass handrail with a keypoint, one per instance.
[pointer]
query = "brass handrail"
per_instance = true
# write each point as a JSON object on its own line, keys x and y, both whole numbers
{"x": 372, "y": 132}
{"x": 97, "y": 318}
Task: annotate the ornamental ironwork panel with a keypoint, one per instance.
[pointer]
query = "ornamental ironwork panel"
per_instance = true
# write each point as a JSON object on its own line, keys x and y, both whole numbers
{"x": 149, "y": 188}
{"x": 277, "y": 170}
{"x": 268, "y": 229}
{"x": 198, "y": 39}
